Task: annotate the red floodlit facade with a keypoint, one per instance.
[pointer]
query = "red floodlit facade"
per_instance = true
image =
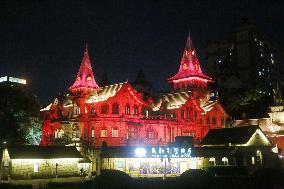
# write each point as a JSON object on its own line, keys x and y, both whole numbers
{"x": 118, "y": 116}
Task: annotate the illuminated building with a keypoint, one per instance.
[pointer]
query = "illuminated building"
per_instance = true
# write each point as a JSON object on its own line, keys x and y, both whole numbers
{"x": 12, "y": 80}
{"x": 248, "y": 59}
{"x": 273, "y": 126}
{"x": 117, "y": 115}
{"x": 26, "y": 162}
{"x": 240, "y": 146}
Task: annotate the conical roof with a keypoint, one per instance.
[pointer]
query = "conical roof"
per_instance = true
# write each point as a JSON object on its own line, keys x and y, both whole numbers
{"x": 85, "y": 78}
{"x": 189, "y": 66}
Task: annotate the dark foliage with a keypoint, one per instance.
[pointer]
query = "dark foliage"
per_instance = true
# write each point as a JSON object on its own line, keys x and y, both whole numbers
{"x": 19, "y": 115}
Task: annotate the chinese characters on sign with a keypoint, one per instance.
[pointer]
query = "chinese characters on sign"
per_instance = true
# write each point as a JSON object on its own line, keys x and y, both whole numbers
{"x": 164, "y": 152}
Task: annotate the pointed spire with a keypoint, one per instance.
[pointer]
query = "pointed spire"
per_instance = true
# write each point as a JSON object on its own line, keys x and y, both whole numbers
{"x": 189, "y": 44}
{"x": 85, "y": 78}
{"x": 189, "y": 67}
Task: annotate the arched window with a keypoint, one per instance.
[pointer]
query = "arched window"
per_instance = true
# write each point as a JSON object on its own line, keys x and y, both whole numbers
{"x": 258, "y": 157}
{"x": 214, "y": 120}
{"x": 115, "y": 108}
{"x": 225, "y": 161}
{"x": 187, "y": 113}
{"x": 127, "y": 109}
{"x": 135, "y": 110}
{"x": 104, "y": 109}
{"x": 207, "y": 120}
{"x": 93, "y": 110}
{"x": 76, "y": 110}
{"x": 59, "y": 133}
{"x": 212, "y": 161}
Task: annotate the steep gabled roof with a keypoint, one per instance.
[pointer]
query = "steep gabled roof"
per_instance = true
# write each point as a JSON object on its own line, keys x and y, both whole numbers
{"x": 43, "y": 152}
{"x": 235, "y": 135}
{"x": 171, "y": 100}
{"x": 105, "y": 93}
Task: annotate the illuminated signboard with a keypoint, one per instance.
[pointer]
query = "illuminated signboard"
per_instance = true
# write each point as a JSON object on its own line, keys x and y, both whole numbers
{"x": 163, "y": 152}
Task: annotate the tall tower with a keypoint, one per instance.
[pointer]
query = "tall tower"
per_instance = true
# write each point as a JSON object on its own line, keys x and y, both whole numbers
{"x": 85, "y": 80}
{"x": 190, "y": 75}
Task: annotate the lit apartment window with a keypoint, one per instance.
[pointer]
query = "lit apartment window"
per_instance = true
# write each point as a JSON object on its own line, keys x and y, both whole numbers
{"x": 114, "y": 132}
{"x": 225, "y": 161}
{"x": 103, "y": 133}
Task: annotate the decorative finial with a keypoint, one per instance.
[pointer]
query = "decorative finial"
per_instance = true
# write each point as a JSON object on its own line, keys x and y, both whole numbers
{"x": 86, "y": 48}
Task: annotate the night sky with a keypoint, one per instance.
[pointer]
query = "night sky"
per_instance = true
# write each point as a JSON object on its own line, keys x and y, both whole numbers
{"x": 44, "y": 41}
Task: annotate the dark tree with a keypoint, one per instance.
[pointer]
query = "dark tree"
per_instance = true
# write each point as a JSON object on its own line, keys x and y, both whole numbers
{"x": 19, "y": 116}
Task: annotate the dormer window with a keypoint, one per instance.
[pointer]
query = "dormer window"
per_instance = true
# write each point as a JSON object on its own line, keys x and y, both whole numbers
{"x": 115, "y": 108}
{"x": 135, "y": 110}
{"x": 104, "y": 109}
{"x": 127, "y": 109}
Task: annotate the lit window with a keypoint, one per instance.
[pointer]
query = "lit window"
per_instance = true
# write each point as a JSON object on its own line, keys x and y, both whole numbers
{"x": 220, "y": 61}
{"x": 252, "y": 161}
{"x": 76, "y": 110}
{"x": 36, "y": 167}
{"x": 225, "y": 161}
{"x": 58, "y": 133}
{"x": 261, "y": 55}
{"x": 192, "y": 52}
{"x": 260, "y": 43}
{"x": 114, "y": 132}
{"x": 86, "y": 110}
{"x": 93, "y": 133}
{"x": 103, "y": 133}
{"x": 212, "y": 161}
